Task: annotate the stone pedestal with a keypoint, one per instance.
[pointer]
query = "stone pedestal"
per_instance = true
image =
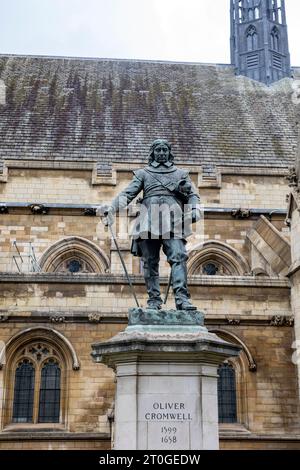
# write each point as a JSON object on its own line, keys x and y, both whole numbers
{"x": 166, "y": 369}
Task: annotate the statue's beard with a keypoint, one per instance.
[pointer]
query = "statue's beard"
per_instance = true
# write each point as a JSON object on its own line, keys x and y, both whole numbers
{"x": 162, "y": 159}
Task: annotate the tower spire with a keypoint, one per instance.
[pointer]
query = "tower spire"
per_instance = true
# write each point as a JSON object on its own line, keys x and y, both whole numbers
{"x": 259, "y": 39}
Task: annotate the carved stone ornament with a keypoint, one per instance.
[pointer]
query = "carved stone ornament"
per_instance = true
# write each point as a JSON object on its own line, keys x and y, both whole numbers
{"x": 90, "y": 211}
{"x": 233, "y": 321}
{"x": 39, "y": 351}
{"x": 241, "y": 213}
{"x": 94, "y": 317}
{"x": 292, "y": 178}
{"x": 39, "y": 209}
{"x": 279, "y": 320}
{"x": 57, "y": 318}
{"x": 3, "y": 209}
{"x": 3, "y": 318}
{"x": 290, "y": 321}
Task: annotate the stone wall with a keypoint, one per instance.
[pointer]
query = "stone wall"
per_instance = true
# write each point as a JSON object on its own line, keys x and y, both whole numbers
{"x": 295, "y": 281}
{"x": 66, "y": 193}
{"x": 268, "y": 402}
{"x": 253, "y": 311}
{"x": 70, "y": 185}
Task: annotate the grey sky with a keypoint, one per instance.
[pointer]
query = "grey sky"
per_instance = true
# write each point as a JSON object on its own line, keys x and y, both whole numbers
{"x": 180, "y": 30}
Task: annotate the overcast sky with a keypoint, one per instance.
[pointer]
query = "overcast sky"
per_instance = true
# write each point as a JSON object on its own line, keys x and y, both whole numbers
{"x": 180, "y": 30}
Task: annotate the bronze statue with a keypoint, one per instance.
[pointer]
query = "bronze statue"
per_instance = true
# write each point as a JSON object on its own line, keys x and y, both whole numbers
{"x": 169, "y": 206}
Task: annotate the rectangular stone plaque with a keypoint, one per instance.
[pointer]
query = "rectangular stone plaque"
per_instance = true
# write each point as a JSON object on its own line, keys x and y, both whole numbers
{"x": 169, "y": 419}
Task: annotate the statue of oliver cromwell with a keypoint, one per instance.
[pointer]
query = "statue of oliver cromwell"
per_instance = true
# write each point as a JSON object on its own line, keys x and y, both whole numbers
{"x": 168, "y": 207}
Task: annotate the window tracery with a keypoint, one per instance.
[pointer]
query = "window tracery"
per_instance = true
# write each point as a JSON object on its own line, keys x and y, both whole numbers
{"x": 38, "y": 376}
{"x": 275, "y": 39}
{"x": 252, "y": 38}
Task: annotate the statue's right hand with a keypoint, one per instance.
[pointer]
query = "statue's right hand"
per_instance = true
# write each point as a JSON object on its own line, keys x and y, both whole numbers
{"x": 107, "y": 214}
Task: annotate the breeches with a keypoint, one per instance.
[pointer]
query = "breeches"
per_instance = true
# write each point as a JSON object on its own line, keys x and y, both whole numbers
{"x": 174, "y": 250}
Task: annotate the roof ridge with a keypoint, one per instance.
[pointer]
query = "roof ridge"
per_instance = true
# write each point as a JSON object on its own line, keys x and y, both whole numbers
{"x": 111, "y": 59}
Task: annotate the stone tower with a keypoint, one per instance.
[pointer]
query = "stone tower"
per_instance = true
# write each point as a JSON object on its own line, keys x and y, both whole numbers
{"x": 259, "y": 39}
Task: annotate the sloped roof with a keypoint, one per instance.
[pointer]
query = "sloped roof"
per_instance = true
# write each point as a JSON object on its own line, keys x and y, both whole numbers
{"x": 111, "y": 110}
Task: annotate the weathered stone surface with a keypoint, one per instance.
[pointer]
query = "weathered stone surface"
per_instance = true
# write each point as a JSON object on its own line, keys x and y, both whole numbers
{"x": 157, "y": 341}
{"x": 140, "y": 316}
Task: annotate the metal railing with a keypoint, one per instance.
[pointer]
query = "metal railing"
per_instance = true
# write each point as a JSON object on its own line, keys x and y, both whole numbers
{"x": 25, "y": 262}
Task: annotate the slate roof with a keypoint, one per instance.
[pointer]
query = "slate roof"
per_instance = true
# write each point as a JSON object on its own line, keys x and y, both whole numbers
{"x": 111, "y": 110}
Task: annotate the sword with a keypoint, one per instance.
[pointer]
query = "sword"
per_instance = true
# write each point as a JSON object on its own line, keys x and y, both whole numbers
{"x": 122, "y": 261}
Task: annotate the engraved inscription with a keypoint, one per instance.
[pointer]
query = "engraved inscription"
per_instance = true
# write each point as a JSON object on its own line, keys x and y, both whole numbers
{"x": 168, "y": 434}
{"x": 168, "y": 411}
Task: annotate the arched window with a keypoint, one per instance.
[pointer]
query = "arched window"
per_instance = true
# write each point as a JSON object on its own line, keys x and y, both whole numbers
{"x": 251, "y": 14}
{"x": 275, "y": 39}
{"x": 216, "y": 258}
{"x": 275, "y": 12}
{"x": 252, "y": 38}
{"x": 24, "y": 392}
{"x": 234, "y": 385}
{"x": 37, "y": 365}
{"x": 37, "y": 384}
{"x": 49, "y": 402}
{"x": 227, "y": 403}
{"x": 241, "y": 14}
{"x": 74, "y": 255}
{"x": 74, "y": 265}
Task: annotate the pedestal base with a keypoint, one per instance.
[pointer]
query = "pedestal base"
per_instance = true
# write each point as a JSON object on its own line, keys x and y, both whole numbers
{"x": 166, "y": 395}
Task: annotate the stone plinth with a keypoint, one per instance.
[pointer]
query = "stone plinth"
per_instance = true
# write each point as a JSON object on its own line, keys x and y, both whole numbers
{"x": 166, "y": 395}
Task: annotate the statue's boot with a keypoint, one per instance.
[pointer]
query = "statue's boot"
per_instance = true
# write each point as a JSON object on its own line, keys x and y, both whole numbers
{"x": 179, "y": 282}
{"x": 154, "y": 301}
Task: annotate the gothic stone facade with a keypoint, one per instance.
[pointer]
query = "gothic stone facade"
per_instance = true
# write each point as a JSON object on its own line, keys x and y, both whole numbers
{"x": 71, "y": 132}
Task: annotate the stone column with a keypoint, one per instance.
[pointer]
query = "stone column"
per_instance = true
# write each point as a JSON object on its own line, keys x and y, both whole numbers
{"x": 294, "y": 276}
{"x": 166, "y": 369}
{"x": 293, "y": 218}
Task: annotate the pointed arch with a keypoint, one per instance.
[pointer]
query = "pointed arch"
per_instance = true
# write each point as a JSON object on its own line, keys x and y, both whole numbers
{"x": 242, "y": 366}
{"x": 231, "y": 337}
{"x": 220, "y": 254}
{"x": 251, "y": 38}
{"x": 74, "y": 250}
{"x": 38, "y": 333}
{"x": 38, "y": 360}
{"x": 275, "y": 39}
{"x": 227, "y": 393}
